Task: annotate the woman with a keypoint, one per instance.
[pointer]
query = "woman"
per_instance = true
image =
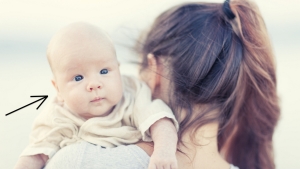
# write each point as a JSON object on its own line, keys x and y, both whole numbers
{"x": 220, "y": 67}
{"x": 213, "y": 65}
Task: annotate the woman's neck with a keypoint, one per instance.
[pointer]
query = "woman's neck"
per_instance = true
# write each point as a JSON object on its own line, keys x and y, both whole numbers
{"x": 202, "y": 151}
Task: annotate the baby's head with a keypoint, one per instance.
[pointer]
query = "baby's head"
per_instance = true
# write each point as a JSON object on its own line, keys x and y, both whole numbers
{"x": 86, "y": 71}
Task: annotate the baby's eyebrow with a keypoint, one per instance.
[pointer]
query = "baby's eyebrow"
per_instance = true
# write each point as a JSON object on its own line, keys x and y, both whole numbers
{"x": 71, "y": 70}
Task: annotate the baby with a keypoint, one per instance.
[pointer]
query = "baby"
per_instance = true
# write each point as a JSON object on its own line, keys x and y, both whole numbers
{"x": 96, "y": 104}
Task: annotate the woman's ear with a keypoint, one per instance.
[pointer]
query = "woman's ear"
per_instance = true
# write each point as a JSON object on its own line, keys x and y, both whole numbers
{"x": 59, "y": 98}
{"x": 153, "y": 75}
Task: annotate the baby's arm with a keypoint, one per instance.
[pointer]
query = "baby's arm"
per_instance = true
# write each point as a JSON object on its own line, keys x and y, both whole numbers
{"x": 31, "y": 162}
{"x": 164, "y": 136}
{"x": 45, "y": 138}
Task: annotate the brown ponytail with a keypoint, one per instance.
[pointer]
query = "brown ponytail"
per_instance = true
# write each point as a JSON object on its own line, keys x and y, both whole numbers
{"x": 255, "y": 110}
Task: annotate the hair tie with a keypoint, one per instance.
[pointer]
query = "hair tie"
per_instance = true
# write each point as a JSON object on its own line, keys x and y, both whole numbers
{"x": 227, "y": 10}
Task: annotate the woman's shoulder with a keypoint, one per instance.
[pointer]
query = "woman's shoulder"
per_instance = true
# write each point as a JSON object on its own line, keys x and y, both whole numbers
{"x": 148, "y": 148}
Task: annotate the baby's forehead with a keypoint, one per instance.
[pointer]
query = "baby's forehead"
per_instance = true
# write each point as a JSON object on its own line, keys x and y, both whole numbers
{"x": 82, "y": 32}
{"x": 76, "y": 36}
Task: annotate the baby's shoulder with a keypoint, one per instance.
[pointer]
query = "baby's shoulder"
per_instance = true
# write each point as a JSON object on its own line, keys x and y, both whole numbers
{"x": 135, "y": 88}
{"x": 132, "y": 83}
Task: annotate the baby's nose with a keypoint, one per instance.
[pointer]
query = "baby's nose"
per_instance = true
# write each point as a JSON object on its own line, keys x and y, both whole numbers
{"x": 93, "y": 86}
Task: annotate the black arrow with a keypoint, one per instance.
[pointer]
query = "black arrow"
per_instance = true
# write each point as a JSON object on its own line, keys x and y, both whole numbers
{"x": 44, "y": 97}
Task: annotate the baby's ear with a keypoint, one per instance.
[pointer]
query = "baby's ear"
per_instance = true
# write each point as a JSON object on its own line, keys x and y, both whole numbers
{"x": 54, "y": 84}
{"x": 59, "y": 98}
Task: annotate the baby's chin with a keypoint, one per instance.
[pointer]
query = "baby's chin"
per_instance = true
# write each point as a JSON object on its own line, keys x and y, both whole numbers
{"x": 86, "y": 116}
{"x": 89, "y": 115}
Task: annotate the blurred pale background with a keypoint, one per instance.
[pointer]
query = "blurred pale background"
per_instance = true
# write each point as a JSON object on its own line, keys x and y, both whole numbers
{"x": 27, "y": 26}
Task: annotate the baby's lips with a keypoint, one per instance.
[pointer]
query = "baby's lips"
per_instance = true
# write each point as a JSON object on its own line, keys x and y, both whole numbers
{"x": 96, "y": 99}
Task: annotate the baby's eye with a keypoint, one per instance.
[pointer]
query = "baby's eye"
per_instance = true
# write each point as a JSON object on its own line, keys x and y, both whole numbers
{"x": 103, "y": 71}
{"x": 78, "y": 78}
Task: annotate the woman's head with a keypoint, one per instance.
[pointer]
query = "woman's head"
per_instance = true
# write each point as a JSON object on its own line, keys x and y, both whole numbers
{"x": 226, "y": 65}
{"x": 201, "y": 51}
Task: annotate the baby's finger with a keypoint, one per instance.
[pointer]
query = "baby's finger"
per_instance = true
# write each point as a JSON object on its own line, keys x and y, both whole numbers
{"x": 152, "y": 166}
{"x": 174, "y": 166}
{"x": 166, "y": 166}
{"x": 159, "y": 167}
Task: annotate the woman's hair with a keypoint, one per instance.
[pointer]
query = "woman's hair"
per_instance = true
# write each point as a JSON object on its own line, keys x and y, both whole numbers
{"x": 227, "y": 65}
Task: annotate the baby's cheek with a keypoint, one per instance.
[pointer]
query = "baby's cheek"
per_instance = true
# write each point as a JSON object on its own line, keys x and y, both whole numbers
{"x": 116, "y": 93}
{"x": 76, "y": 101}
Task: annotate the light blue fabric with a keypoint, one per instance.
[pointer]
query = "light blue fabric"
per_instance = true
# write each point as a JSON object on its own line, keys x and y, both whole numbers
{"x": 84, "y": 155}
{"x": 233, "y": 167}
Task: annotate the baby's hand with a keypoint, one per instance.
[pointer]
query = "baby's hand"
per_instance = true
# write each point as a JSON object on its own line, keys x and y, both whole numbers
{"x": 163, "y": 159}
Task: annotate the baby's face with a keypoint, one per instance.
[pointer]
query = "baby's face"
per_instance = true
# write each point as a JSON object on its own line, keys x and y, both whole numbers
{"x": 88, "y": 79}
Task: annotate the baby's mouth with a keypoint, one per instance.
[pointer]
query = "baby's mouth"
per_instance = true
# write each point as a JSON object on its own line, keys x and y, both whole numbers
{"x": 97, "y": 99}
